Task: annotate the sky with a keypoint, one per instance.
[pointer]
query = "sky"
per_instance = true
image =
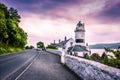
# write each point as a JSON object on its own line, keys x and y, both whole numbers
{"x": 49, "y": 20}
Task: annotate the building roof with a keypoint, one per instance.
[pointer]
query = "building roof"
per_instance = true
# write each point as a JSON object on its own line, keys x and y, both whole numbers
{"x": 77, "y": 48}
{"x": 63, "y": 43}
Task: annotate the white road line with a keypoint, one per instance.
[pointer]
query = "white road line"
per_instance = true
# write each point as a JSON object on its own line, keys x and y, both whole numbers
{"x": 25, "y": 69}
{"x": 16, "y": 69}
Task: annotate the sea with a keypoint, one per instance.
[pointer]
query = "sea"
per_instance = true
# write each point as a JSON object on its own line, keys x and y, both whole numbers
{"x": 99, "y": 51}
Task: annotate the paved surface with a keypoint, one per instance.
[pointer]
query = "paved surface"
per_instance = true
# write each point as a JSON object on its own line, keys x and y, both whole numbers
{"x": 44, "y": 66}
{"x": 47, "y": 67}
{"x": 12, "y": 65}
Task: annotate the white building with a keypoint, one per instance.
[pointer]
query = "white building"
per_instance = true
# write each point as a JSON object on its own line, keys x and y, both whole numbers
{"x": 75, "y": 47}
{"x": 65, "y": 44}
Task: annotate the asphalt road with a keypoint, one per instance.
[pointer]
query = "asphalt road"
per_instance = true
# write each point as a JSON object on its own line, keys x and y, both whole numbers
{"x": 12, "y": 65}
{"x": 33, "y": 65}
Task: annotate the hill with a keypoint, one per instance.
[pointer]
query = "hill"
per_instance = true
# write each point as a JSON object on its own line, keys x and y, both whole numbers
{"x": 101, "y": 46}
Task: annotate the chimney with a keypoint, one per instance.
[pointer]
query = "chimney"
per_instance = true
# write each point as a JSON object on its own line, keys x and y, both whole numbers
{"x": 86, "y": 44}
{"x": 65, "y": 38}
{"x": 54, "y": 41}
{"x": 59, "y": 41}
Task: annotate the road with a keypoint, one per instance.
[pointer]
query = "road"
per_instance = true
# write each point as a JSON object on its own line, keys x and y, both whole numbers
{"x": 34, "y": 65}
{"x": 12, "y": 65}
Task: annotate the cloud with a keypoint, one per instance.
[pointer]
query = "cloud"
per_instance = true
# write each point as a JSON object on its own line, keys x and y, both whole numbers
{"x": 103, "y": 11}
{"x": 112, "y": 9}
{"x": 105, "y": 33}
{"x": 92, "y": 7}
{"x": 68, "y": 9}
{"x": 40, "y": 5}
{"x": 110, "y": 13}
{"x": 46, "y": 30}
{"x": 49, "y": 20}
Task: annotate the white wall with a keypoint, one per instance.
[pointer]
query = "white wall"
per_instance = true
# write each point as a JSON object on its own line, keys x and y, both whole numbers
{"x": 68, "y": 44}
{"x": 90, "y": 70}
{"x": 80, "y": 35}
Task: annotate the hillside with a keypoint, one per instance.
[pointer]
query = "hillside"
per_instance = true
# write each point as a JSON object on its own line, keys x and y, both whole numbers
{"x": 101, "y": 46}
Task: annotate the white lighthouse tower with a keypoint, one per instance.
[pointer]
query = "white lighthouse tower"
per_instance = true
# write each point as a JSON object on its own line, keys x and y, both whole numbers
{"x": 80, "y": 34}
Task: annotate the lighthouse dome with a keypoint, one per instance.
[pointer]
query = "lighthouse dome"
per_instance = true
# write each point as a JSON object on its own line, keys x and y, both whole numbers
{"x": 79, "y": 24}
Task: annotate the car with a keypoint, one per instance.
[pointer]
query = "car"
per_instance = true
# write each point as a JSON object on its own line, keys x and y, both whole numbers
{"x": 43, "y": 49}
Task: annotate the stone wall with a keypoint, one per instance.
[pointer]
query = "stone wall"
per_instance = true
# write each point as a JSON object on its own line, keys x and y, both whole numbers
{"x": 91, "y": 70}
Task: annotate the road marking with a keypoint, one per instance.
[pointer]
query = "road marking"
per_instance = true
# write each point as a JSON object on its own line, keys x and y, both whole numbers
{"x": 18, "y": 68}
{"x": 26, "y": 68}
{"x": 4, "y": 59}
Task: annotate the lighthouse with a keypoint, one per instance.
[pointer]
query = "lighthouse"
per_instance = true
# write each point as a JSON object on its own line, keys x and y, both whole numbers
{"x": 80, "y": 34}
{"x": 75, "y": 47}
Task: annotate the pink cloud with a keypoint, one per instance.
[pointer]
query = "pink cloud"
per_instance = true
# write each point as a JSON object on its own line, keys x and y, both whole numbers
{"x": 50, "y": 20}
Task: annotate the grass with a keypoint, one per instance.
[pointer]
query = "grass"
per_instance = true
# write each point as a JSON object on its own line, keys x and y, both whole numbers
{"x": 9, "y": 50}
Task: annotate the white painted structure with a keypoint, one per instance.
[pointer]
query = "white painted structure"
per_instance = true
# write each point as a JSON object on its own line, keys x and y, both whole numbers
{"x": 65, "y": 44}
{"x": 89, "y": 70}
{"x": 69, "y": 43}
{"x": 75, "y": 47}
{"x": 63, "y": 57}
{"x": 80, "y": 34}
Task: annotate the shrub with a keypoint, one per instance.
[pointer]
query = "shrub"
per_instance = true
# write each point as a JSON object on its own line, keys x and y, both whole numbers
{"x": 29, "y": 47}
{"x": 2, "y": 50}
{"x": 95, "y": 57}
{"x": 51, "y": 46}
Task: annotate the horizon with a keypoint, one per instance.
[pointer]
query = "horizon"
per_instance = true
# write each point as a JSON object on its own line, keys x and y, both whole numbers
{"x": 51, "y": 20}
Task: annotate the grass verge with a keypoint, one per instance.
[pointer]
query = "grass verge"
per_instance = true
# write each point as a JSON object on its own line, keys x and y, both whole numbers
{"x": 9, "y": 50}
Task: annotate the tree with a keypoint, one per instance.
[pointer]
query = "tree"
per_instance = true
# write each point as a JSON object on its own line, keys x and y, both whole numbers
{"x": 26, "y": 47}
{"x": 3, "y": 27}
{"x": 117, "y": 54}
{"x": 10, "y": 32}
{"x": 118, "y": 47}
{"x": 107, "y": 49}
{"x": 31, "y": 47}
{"x": 14, "y": 14}
{"x": 40, "y": 45}
{"x": 11, "y": 35}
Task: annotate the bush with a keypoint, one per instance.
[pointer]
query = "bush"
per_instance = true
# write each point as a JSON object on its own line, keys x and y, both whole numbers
{"x": 115, "y": 62}
{"x": 111, "y": 62}
{"x": 95, "y": 57}
{"x": 29, "y": 47}
{"x": 104, "y": 58}
{"x": 51, "y": 46}
{"x": 2, "y": 50}
{"x": 9, "y": 50}
{"x": 88, "y": 57}
{"x": 117, "y": 54}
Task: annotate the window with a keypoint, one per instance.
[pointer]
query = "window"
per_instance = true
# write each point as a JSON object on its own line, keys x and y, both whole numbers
{"x": 79, "y": 40}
